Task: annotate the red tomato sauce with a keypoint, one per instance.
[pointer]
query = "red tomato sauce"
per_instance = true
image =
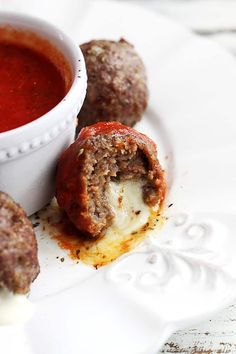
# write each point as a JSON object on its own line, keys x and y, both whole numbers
{"x": 30, "y": 85}
{"x": 117, "y": 128}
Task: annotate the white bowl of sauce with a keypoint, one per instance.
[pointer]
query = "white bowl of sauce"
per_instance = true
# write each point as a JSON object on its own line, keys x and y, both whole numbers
{"x": 42, "y": 88}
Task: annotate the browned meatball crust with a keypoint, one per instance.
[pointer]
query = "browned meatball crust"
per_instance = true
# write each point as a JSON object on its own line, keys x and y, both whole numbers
{"x": 117, "y": 84}
{"x": 18, "y": 247}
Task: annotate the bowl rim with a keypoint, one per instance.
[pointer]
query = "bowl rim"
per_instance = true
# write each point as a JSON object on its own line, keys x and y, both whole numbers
{"x": 79, "y": 77}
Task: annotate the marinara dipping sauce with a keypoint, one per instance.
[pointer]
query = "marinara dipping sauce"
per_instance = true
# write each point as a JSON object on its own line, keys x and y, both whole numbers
{"x": 30, "y": 85}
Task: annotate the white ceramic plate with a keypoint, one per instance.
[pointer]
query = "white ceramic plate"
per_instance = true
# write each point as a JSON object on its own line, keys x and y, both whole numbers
{"x": 188, "y": 271}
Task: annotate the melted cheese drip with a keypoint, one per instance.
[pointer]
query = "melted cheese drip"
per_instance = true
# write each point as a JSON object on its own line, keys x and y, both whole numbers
{"x": 133, "y": 221}
{"x": 14, "y": 308}
{"x": 126, "y": 201}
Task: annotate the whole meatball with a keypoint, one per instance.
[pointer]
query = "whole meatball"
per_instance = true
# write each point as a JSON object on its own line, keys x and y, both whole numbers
{"x": 117, "y": 83}
{"x": 18, "y": 247}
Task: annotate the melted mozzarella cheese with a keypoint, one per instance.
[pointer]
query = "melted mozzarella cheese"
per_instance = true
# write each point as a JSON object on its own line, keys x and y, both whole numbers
{"x": 14, "y": 308}
{"x": 126, "y": 201}
{"x": 133, "y": 221}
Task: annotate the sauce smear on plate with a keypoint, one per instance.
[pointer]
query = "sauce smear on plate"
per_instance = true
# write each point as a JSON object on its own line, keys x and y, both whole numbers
{"x": 30, "y": 85}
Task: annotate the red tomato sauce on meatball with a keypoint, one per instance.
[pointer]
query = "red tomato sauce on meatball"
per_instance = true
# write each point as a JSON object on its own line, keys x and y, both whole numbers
{"x": 30, "y": 85}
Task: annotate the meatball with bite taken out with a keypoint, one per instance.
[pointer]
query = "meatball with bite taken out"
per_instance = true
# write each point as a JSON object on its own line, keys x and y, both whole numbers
{"x": 117, "y": 83}
{"x": 106, "y": 153}
{"x": 18, "y": 248}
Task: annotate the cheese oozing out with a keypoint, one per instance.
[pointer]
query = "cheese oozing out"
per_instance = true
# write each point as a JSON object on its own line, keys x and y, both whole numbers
{"x": 133, "y": 221}
{"x": 14, "y": 308}
{"x": 126, "y": 201}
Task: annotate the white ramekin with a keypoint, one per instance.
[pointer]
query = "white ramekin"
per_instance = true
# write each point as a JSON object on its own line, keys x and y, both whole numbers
{"x": 29, "y": 154}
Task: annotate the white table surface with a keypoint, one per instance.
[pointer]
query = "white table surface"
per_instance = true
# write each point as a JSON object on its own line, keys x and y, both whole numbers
{"x": 213, "y": 18}
{"x": 217, "y": 20}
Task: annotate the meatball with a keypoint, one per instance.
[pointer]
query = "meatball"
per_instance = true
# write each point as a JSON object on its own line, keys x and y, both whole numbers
{"x": 102, "y": 153}
{"x": 18, "y": 248}
{"x": 117, "y": 84}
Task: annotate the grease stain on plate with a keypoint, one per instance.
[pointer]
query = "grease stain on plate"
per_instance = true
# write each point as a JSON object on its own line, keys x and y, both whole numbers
{"x": 94, "y": 252}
